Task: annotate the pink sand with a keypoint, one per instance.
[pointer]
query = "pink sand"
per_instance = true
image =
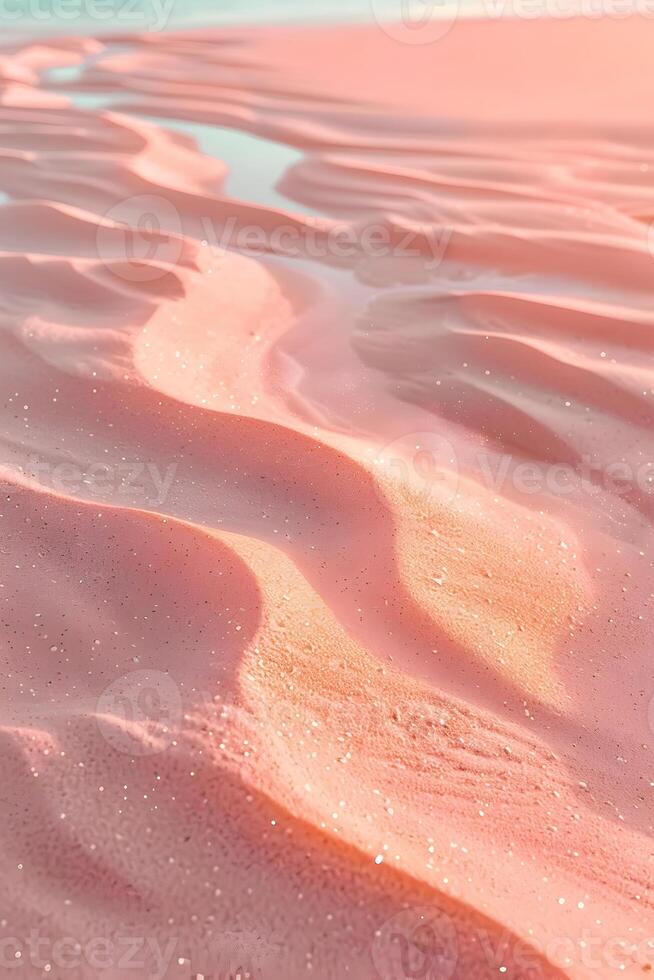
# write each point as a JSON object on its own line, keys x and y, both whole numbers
{"x": 312, "y": 694}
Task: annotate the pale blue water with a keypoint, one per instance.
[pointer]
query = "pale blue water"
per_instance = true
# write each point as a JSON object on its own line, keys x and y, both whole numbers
{"x": 255, "y": 164}
{"x": 46, "y": 17}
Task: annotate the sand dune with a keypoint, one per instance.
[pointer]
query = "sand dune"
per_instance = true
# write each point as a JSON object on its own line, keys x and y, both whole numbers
{"x": 326, "y": 568}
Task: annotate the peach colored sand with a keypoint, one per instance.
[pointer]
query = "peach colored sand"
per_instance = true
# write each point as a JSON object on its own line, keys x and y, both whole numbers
{"x": 327, "y": 571}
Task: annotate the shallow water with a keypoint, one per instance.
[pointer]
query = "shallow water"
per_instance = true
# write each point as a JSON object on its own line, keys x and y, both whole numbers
{"x": 118, "y": 16}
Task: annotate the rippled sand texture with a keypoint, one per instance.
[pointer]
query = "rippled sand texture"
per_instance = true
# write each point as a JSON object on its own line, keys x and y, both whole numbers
{"x": 301, "y": 674}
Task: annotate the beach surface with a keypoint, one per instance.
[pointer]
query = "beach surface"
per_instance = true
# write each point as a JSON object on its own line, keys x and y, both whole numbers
{"x": 327, "y": 469}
